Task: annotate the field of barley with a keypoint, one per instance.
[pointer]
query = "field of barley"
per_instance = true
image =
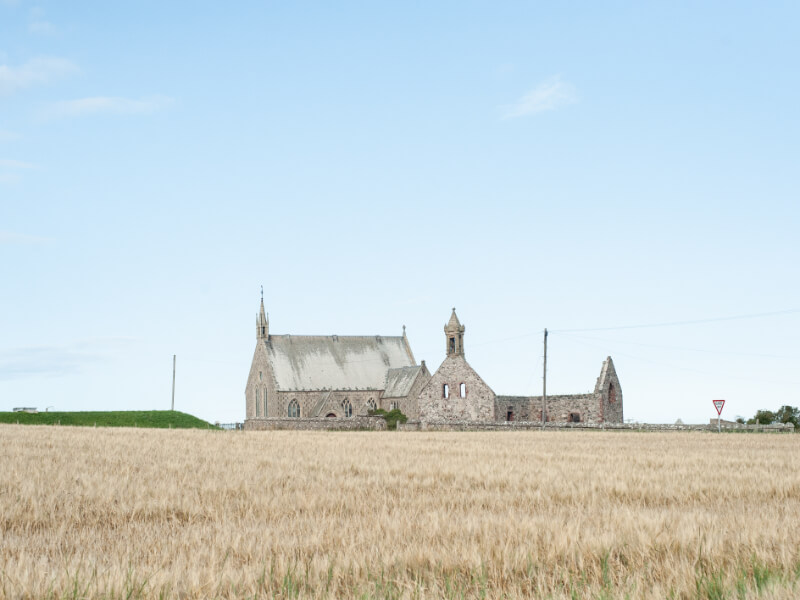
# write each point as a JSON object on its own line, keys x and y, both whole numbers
{"x": 88, "y": 513}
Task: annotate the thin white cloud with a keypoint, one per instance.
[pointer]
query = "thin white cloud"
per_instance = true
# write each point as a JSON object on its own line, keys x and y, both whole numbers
{"x": 42, "y": 28}
{"x": 56, "y": 360}
{"x": 34, "y": 72}
{"x": 107, "y": 105}
{"x": 11, "y": 237}
{"x": 9, "y": 170}
{"x": 8, "y": 136}
{"x": 6, "y": 163}
{"x": 551, "y": 94}
{"x": 39, "y": 23}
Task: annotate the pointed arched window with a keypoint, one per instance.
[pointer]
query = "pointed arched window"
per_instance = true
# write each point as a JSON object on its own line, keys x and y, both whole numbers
{"x": 258, "y": 405}
{"x": 294, "y": 409}
{"x": 371, "y": 404}
{"x": 347, "y": 408}
{"x": 265, "y": 402}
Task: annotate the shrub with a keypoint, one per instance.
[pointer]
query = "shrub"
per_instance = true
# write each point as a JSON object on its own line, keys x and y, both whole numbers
{"x": 392, "y": 417}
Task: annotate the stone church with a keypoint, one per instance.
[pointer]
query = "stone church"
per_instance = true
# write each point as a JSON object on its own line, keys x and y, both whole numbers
{"x": 333, "y": 376}
{"x": 300, "y": 381}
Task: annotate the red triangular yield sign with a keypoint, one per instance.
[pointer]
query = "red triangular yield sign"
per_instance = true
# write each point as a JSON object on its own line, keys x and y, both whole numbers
{"x": 718, "y": 404}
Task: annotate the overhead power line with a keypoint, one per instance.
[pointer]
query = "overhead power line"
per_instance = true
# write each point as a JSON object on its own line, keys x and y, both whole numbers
{"x": 675, "y": 323}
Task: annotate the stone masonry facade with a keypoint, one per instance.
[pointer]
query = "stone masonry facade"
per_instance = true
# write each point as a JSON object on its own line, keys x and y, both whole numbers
{"x": 456, "y": 393}
{"x": 332, "y": 382}
{"x": 359, "y": 423}
{"x": 604, "y": 405}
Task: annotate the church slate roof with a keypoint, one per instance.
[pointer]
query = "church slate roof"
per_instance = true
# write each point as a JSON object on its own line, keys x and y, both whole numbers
{"x": 400, "y": 381}
{"x": 305, "y": 363}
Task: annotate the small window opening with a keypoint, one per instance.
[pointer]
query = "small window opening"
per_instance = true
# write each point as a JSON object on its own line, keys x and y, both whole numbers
{"x": 330, "y": 416}
{"x": 260, "y": 378}
{"x": 258, "y": 405}
{"x": 510, "y": 415}
{"x": 347, "y": 408}
{"x": 294, "y": 409}
{"x": 574, "y": 417}
{"x": 452, "y": 345}
{"x": 612, "y": 393}
{"x": 393, "y": 405}
{"x": 445, "y": 391}
{"x": 462, "y": 390}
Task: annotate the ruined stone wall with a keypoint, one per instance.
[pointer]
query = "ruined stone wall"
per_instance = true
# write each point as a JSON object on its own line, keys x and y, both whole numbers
{"x": 610, "y": 393}
{"x": 519, "y": 408}
{"x": 360, "y": 423}
{"x": 537, "y": 426}
{"x": 585, "y": 407}
{"x": 478, "y": 403}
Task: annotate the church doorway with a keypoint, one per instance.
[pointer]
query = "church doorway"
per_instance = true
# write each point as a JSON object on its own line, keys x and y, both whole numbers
{"x": 510, "y": 415}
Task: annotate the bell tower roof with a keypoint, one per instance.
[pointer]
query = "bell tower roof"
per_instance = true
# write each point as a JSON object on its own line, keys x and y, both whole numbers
{"x": 454, "y": 324}
{"x": 454, "y": 335}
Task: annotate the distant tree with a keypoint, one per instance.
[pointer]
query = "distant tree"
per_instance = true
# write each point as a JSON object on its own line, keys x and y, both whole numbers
{"x": 785, "y": 414}
{"x": 763, "y": 417}
{"x": 788, "y": 414}
{"x": 740, "y": 420}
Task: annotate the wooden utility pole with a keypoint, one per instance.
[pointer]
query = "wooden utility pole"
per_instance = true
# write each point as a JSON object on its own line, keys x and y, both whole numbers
{"x": 173, "y": 382}
{"x": 544, "y": 383}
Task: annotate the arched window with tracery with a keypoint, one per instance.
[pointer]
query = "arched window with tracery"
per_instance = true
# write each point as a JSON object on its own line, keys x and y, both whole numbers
{"x": 294, "y": 409}
{"x": 371, "y": 404}
{"x": 347, "y": 408}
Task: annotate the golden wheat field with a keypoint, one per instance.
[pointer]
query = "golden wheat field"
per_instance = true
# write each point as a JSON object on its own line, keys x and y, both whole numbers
{"x": 165, "y": 513}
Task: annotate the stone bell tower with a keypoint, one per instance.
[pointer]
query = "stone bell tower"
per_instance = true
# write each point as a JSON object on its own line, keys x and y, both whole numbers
{"x": 454, "y": 334}
{"x": 456, "y": 393}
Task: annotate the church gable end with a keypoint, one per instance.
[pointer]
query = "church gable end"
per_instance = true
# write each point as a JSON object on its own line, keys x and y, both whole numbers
{"x": 456, "y": 392}
{"x": 609, "y": 393}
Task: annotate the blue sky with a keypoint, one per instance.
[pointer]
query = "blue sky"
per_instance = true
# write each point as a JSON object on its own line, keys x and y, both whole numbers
{"x": 577, "y": 167}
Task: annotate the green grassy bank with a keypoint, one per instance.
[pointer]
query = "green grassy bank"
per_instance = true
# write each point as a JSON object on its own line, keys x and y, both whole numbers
{"x": 117, "y": 418}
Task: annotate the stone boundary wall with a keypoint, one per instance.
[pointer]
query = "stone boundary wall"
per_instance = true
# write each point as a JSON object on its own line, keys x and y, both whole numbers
{"x": 532, "y": 425}
{"x": 358, "y": 423}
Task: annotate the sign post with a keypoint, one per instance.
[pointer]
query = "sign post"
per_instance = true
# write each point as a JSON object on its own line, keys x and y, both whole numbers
{"x": 718, "y": 404}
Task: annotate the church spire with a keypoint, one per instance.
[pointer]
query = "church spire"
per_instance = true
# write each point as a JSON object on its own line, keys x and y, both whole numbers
{"x": 454, "y": 334}
{"x": 262, "y": 321}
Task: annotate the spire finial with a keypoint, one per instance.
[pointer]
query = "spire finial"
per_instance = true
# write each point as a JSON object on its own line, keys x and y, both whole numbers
{"x": 404, "y": 329}
{"x": 262, "y": 293}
